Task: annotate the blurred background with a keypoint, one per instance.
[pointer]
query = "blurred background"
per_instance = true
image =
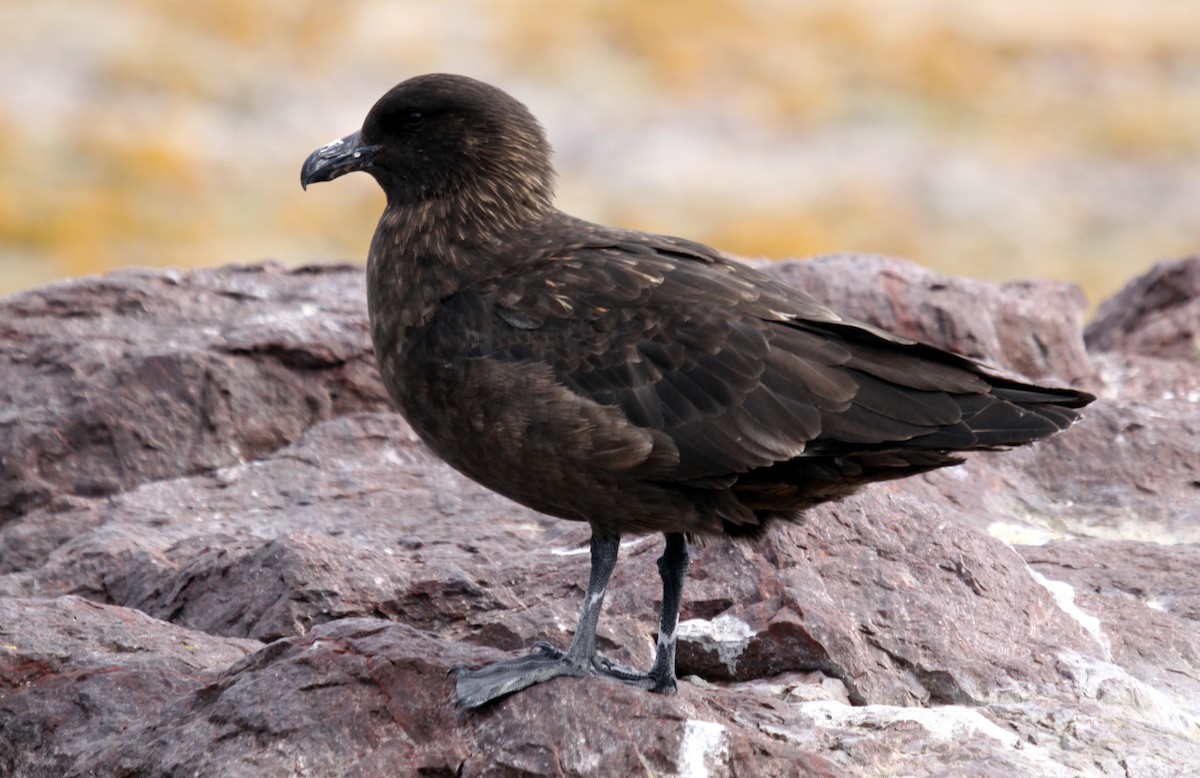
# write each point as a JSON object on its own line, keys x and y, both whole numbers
{"x": 999, "y": 139}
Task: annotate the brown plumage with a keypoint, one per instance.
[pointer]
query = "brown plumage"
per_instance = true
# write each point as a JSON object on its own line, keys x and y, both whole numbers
{"x": 637, "y": 382}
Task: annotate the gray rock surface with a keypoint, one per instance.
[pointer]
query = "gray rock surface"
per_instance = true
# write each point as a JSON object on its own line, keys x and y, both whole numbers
{"x": 222, "y": 554}
{"x": 1158, "y": 314}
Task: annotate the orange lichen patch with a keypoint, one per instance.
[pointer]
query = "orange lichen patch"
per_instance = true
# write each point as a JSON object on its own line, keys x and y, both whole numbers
{"x": 775, "y": 235}
{"x": 1152, "y": 125}
{"x": 171, "y": 133}
{"x": 252, "y": 23}
{"x": 318, "y": 232}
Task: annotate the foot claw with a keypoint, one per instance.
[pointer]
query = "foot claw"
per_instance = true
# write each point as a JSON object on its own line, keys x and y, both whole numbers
{"x": 648, "y": 681}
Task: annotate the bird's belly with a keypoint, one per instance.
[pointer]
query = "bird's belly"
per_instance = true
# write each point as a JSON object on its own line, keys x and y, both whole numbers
{"x": 497, "y": 425}
{"x": 517, "y": 431}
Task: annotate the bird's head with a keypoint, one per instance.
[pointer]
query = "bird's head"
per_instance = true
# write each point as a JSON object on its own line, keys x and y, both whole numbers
{"x": 441, "y": 137}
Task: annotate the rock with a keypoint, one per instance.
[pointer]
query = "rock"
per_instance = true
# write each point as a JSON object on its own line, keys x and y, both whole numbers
{"x": 865, "y": 592}
{"x": 1157, "y": 315}
{"x": 841, "y": 594}
{"x": 75, "y": 675}
{"x": 140, "y": 376}
{"x": 1146, "y": 368}
{"x": 290, "y": 575}
{"x": 1131, "y": 470}
{"x": 374, "y": 695}
{"x": 1031, "y": 328}
{"x": 1145, "y": 598}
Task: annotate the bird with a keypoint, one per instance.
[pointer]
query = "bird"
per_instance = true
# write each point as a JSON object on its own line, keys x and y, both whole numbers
{"x": 637, "y": 382}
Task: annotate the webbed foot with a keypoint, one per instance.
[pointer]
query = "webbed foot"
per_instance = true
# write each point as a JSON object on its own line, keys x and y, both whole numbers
{"x": 475, "y": 688}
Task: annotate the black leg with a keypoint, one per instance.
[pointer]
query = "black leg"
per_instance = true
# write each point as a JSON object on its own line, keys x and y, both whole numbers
{"x": 672, "y": 567}
{"x": 478, "y": 687}
{"x": 604, "y": 559}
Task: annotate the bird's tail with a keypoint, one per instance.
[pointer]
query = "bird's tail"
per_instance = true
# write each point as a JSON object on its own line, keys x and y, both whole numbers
{"x": 1011, "y": 413}
{"x": 1014, "y": 413}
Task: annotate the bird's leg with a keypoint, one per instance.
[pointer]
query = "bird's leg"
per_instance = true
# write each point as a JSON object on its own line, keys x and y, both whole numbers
{"x": 672, "y": 567}
{"x": 478, "y": 687}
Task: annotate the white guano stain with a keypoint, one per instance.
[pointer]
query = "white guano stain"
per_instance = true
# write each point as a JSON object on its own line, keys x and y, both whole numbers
{"x": 702, "y": 740}
{"x": 1064, "y": 596}
{"x": 727, "y": 635}
{"x": 946, "y": 723}
{"x": 1112, "y": 686}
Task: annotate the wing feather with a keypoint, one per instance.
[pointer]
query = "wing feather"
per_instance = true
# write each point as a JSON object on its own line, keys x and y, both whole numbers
{"x": 738, "y": 371}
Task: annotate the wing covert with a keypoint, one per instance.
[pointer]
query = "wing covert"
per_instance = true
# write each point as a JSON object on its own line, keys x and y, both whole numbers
{"x": 737, "y": 369}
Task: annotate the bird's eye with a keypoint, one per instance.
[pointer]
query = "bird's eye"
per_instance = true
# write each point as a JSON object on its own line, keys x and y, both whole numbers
{"x": 415, "y": 118}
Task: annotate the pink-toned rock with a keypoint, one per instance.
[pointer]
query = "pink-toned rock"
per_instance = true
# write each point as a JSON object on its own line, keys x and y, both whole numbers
{"x": 1156, "y": 315}
{"x": 376, "y": 696}
{"x": 1146, "y": 598}
{"x": 1027, "y": 327}
{"x": 139, "y": 375}
{"x": 76, "y": 675}
{"x": 276, "y": 499}
{"x": 853, "y": 591}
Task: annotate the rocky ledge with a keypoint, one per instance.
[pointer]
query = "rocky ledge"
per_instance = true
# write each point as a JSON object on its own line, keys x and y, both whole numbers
{"x": 222, "y": 554}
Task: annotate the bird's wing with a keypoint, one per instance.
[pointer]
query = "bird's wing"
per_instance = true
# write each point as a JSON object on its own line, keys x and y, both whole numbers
{"x": 738, "y": 370}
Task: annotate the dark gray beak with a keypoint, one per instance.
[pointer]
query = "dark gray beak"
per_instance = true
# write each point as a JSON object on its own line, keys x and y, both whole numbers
{"x": 338, "y": 158}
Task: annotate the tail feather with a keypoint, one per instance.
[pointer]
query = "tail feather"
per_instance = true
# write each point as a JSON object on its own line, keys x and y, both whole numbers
{"x": 1027, "y": 394}
{"x": 917, "y": 408}
{"x": 1017, "y": 413}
